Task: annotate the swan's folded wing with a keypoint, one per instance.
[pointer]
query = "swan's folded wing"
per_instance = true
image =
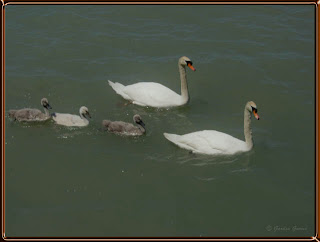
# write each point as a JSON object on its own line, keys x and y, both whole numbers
{"x": 192, "y": 141}
{"x": 212, "y": 142}
{"x": 28, "y": 114}
{"x": 118, "y": 126}
{"x": 224, "y": 142}
{"x": 177, "y": 140}
{"x": 63, "y": 118}
{"x": 152, "y": 94}
{"x": 75, "y": 119}
{"x": 68, "y": 119}
{"x": 199, "y": 143}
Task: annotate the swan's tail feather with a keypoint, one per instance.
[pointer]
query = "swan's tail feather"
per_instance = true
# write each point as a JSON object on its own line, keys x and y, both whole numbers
{"x": 115, "y": 85}
{"x": 12, "y": 113}
{"x": 119, "y": 89}
{"x": 171, "y": 137}
{"x": 176, "y": 139}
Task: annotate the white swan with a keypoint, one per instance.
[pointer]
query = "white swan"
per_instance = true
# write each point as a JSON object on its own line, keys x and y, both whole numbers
{"x": 67, "y": 119}
{"x": 213, "y": 142}
{"x": 124, "y": 128}
{"x": 30, "y": 114}
{"x": 154, "y": 94}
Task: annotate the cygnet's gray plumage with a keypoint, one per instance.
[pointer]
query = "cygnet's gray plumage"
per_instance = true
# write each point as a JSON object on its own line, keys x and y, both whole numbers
{"x": 124, "y": 128}
{"x": 29, "y": 114}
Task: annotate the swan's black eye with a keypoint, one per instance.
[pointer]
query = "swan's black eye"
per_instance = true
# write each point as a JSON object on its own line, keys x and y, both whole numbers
{"x": 189, "y": 62}
{"x": 254, "y": 109}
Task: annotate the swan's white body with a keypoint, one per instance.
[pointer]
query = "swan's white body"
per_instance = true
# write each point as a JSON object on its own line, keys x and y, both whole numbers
{"x": 67, "y": 119}
{"x": 213, "y": 142}
{"x": 150, "y": 94}
{"x": 209, "y": 142}
{"x": 154, "y": 94}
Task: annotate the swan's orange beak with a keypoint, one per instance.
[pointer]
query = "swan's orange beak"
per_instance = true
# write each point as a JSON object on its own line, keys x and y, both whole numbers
{"x": 191, "y": 67}
{"x": 256, "y": 114}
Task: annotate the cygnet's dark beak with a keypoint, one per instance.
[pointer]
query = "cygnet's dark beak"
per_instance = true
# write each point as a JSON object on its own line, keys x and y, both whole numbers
{"x": 87, "y": 113}
{"x": 47, "y": 106}
{"x": 142, "y": 124}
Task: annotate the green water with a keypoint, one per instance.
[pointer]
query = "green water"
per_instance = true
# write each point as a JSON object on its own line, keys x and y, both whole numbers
{"x": 63, "y": 181}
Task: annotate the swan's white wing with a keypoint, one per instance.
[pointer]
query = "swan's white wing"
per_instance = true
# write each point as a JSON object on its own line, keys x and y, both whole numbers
{"x": 208, "y": 142}
{"x": 148, "y": 94}
{"x": 153, "y": 94}
{"x": 68, "y": 119}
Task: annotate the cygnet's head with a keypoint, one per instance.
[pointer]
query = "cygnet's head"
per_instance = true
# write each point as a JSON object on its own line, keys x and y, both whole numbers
{"x": 185, "y": 61}
{"x": 45, "y": 103}
{"x": 84, "y": 111}
{"x": 137, "y": 119}
{"x": 252, "y": 108}
{"x": 106, "y": 123}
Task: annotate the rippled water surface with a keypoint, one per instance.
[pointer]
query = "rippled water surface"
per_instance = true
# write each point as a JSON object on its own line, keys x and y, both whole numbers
{"x": 63, "y": 181}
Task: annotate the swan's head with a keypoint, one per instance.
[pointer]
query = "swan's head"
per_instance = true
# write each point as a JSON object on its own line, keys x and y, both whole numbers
{"x": 185, "y": 61}
{"x": 84, "y": 111}
{"x": 45, "y": 103}
{"x": 137, "y": 119}
{"x": 106, "y": 123}
{"x": 252, "y": 108}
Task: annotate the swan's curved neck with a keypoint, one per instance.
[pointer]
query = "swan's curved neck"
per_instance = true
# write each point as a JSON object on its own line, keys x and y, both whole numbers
{"x": 142, "y": 129}
{"x": 247, "y": 128}
{"x": 46, "y": 111}
{"x": 84, "y": 118}
{"x": 184, "y": 84}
